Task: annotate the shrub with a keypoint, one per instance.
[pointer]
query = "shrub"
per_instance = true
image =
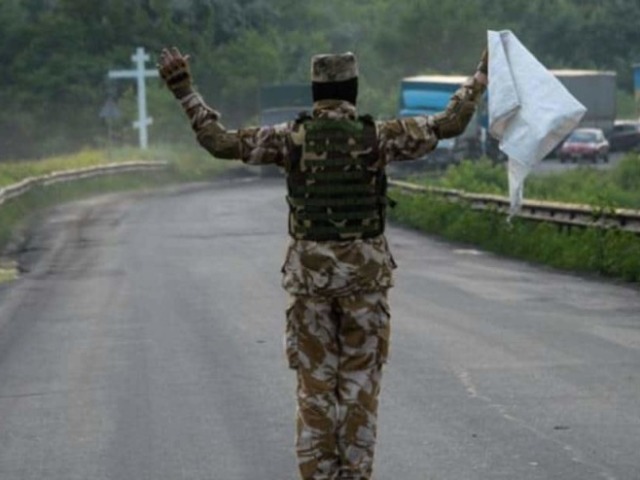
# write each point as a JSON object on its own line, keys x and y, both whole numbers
{"x": 608, "y": 252}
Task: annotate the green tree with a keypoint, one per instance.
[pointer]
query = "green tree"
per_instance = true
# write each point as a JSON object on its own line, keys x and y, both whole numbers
{"x": 56, "y": 53}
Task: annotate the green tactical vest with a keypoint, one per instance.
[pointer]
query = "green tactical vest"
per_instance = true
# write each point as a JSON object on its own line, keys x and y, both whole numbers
{"x": 335, "y": 192}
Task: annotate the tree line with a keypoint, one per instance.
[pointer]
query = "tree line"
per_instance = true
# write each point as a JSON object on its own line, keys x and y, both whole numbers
{"x": 56, "y": 53}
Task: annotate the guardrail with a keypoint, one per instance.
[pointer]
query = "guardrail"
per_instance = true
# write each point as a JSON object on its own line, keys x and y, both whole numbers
{"x": 553, "y": 212}
{"x": 20, "y": 188}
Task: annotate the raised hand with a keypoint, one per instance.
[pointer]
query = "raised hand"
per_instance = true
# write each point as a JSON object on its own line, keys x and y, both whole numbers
{"x": 482, "y": 71}
{"x": 174, "y": 70}
{"x": 483, "y": 66}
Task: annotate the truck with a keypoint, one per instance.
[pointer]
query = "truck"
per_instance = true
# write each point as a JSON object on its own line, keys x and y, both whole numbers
{"x": 283, "y": 102}
{"x": 596, "y": 90}
{"x": 279, "y": 103}
{"x": 430, "y": 94}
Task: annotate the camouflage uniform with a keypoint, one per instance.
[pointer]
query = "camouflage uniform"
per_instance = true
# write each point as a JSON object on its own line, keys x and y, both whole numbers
{"x": 337, "y": 332}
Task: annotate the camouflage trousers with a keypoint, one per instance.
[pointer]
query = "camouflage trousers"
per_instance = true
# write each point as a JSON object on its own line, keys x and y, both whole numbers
{"x": 337, "y": 346}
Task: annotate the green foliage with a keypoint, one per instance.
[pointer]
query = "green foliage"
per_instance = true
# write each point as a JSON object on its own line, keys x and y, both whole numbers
{"x": 56, "y": 54}
{"x": 626, "y": 175}
{"x": 186, "y": 163}
{"x": 432, "y": 35}
{"x": 481, "y": 176}
{"x": 13, "y": 172}
{"x": 626, "y": 105}
{"x": 607, "y": 252}
{"x": 618, "y": 187}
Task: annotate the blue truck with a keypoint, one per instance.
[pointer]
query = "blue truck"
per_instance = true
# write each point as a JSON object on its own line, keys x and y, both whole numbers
{"x": 430, "y": 94}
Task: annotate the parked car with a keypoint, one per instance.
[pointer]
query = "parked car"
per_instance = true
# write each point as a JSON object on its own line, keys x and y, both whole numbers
{"x": 624, "y": 136}
{"x": 585, "y": 143}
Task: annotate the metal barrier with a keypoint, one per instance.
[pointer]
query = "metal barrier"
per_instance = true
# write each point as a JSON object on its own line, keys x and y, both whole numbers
{"x": 553, "y": 212}
{"x": 20, "y": 188}
{"x": 543, "y": 211}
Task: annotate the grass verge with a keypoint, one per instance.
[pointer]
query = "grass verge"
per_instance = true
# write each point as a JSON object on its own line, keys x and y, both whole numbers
{"x": 610, "y": 253}
{"x": 187, "y": 164}
{"x": 617, "y": 187}
{"x": 6, "y": 275}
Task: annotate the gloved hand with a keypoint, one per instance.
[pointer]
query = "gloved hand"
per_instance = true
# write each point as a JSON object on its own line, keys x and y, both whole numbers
{"x": 483, "y": 66}
{"x": 174, "y": 70}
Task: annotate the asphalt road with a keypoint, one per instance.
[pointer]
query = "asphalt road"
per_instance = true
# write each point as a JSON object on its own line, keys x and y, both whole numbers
{"x": 145, "y": 343}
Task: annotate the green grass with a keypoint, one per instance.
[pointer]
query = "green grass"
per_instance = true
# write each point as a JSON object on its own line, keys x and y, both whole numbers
{"x": 607, "y": 252}
{"x": 618, "y": 187}
{"x": 186, "y": 162}
{"x": 13, "y": 172}
{"x": 6, "y": 275}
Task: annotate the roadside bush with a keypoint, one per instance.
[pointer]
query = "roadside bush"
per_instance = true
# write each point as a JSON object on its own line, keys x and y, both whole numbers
{"x": 608, "y": 252}
{"x": 618, "y": 187}
{"x": 481, "y": 176}
{"x": 626, "y": 175}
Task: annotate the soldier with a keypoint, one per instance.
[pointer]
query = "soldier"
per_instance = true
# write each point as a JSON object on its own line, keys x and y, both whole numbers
{"x": 338, "y": 266}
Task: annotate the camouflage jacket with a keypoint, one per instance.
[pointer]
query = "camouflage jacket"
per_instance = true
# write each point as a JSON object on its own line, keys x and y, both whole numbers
{"x": 334, "y": 268}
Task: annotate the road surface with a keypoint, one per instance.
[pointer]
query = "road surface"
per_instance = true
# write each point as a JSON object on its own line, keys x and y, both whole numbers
{"x": 145, "y": 343}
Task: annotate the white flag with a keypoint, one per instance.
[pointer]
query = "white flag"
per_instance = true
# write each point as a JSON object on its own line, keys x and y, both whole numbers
{"x": 530, "y": 111}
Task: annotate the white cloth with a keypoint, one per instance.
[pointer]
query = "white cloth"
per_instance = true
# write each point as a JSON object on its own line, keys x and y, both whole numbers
{"x": 530, "y": 111}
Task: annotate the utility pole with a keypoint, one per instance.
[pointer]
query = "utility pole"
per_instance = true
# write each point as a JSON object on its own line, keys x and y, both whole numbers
{"x": 140, "y": 75}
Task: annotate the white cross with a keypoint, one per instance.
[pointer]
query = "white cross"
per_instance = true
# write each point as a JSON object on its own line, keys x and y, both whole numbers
{"x": 139, "y": 74}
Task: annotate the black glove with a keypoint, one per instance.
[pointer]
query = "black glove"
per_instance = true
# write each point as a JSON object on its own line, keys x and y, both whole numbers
{"x": 174, "y": 70}
{"x": 483, "y": 66}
